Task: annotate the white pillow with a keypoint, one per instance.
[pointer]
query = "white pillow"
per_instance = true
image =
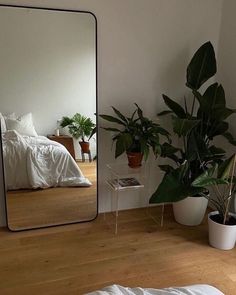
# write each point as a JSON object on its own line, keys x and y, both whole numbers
{"x": 3, "y": 123}
{"x": 4, "y": 117}
{"x": 10, "y": 116}
{"x": 23, "y": 124}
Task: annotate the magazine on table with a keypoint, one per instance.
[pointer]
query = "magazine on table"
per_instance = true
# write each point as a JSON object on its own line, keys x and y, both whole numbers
{"x": 122, "y": 183}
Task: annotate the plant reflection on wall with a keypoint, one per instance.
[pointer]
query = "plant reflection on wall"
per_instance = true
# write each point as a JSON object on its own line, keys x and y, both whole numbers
{"x": 80, "y": 126}
{"x": 196, "y": 126}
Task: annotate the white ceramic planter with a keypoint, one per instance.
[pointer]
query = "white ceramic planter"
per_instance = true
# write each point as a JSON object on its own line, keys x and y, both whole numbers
{"x": 190, "y": 211}
{"x": 221, "y": 236}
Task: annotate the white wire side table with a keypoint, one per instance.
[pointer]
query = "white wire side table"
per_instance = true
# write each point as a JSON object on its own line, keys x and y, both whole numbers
{"x": 122, "y": 178}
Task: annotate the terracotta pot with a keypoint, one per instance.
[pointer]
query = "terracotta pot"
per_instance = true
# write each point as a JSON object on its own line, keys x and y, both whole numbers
{"x": 84, "y": 146}
{"x": 134, "y": 159}
{"x": 190, "y": 211}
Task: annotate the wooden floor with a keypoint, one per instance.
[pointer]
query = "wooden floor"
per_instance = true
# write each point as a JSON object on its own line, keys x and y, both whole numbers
{"x": 37, "y": 208}
{"x": 80, "y": 258}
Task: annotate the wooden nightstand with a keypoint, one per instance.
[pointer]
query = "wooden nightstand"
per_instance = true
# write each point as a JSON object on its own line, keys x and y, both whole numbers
{"x": 65, "y": 140}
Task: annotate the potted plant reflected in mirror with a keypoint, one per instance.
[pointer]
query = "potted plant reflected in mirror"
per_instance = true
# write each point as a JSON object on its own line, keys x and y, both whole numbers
{"x": 81, "y": 127}
{"x": 202, "y": 118}
{"x": 222, "y": 223}
{"x": 135, "y": 135}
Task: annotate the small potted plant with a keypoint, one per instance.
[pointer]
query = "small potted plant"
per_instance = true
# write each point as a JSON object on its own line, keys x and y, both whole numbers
{"x": 135, "y": 135}
{"x": 80, "y": 127}
{"x": 196, "y": 124}
{"x": 222, "y": 223}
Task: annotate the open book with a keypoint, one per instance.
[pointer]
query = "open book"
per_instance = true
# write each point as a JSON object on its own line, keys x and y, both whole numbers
{"x": 122, "y": 183}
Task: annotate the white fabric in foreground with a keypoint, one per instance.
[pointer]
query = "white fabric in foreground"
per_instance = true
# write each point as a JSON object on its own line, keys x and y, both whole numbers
{"x": 3, "y": 123}
{"x": 188, "y": 290}
{"x": 37, "y": 162}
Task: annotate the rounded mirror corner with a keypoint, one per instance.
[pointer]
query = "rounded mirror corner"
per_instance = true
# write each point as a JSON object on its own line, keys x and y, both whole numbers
{"x": 62, "y": 61}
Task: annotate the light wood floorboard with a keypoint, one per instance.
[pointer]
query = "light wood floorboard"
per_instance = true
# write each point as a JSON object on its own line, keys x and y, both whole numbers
{"x": 80, "y": 258}
{"x": 37, "y": 208}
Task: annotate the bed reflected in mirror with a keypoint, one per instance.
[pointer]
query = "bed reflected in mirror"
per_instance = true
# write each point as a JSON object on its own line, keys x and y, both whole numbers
{"x": 48, "y": 83}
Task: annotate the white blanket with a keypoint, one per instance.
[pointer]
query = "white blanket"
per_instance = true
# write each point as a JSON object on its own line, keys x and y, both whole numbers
{"x": 37, "y": 162}
{"x": 188, "y": 290}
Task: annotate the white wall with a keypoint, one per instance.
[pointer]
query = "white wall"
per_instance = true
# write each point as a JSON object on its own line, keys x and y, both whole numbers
{"x": 227, "y": 56}
{"x": 143, "y": 49}
{"x": 47, "y": 65}
{"x": 227, "y": 62}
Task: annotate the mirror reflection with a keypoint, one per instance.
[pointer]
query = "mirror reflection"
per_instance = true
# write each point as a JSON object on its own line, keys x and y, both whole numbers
{"x": 48, "y": 106}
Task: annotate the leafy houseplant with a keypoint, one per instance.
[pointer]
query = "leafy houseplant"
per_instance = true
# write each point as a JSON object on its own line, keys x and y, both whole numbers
{"x": 222, "y": 223}
{"x": 135, "y": 135}
{"x": 196, "y": 124}
{"x": 80, "y": 127}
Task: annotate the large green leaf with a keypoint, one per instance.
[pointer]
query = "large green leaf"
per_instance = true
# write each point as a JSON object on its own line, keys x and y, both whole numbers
{"x": 222, "y": 114}
{"x": 166, "y": 168}
{"x": 140, "y": 112}
{"x": 219, "y": 128}
{"x": 183, "y": 170}
{"x": 216, "y": 151}
{"x": 144, "y": 148}
{"x": 123, "y": 142}
{"x": 225, "y": 168}
{"x": 207, "y": 178}
{"x": 214, "y": 96}
{"x": 111, "y": 129}
{"x": 196, "y": 146}
{"x": 169, "y": 151}
{"x": 208, "y": 181}
{"x": 66, "y": 121}
{"x": 118, "y": 113}
{"x": 79, "y": 126}
{"x": 201, "y": 67}
{"x": 120, "y": 147}
{"x": 161, "y": 131}
{"x": 163, "y": 113}
{"x": 182, "y": 127}
{"x": 224, "y": 171}
{"x": 174, "y": 106}
{"x": 230, "y": 138}
{"x": 173, "y": 190}
{"x": 156, "y": 149}
{"x": 94, "y": 131}
{"x": 112, "y": 119}
{"x": 213, "y": 104}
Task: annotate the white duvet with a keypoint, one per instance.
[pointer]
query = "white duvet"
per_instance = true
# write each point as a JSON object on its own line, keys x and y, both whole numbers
{"x": 37, "y": 162}
{"x": 188, "y": 290}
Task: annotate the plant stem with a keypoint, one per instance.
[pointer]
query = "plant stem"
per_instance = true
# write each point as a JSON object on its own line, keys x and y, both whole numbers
{"x": 185, "y": 105}
{"x": 185, "y": 146}
{"x": 215, "y": 203}
{"x": 194, "y": 99}
{"x": 230, "y": 190}
{"x": 219, "y": 200}
{"x": 213, "y": 127}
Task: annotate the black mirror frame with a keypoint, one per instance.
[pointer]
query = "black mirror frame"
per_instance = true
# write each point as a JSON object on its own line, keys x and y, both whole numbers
{"x": 97, "y": 150}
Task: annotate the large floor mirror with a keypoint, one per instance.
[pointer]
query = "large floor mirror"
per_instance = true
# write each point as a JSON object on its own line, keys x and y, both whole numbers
{"x": 48, "y": 74}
